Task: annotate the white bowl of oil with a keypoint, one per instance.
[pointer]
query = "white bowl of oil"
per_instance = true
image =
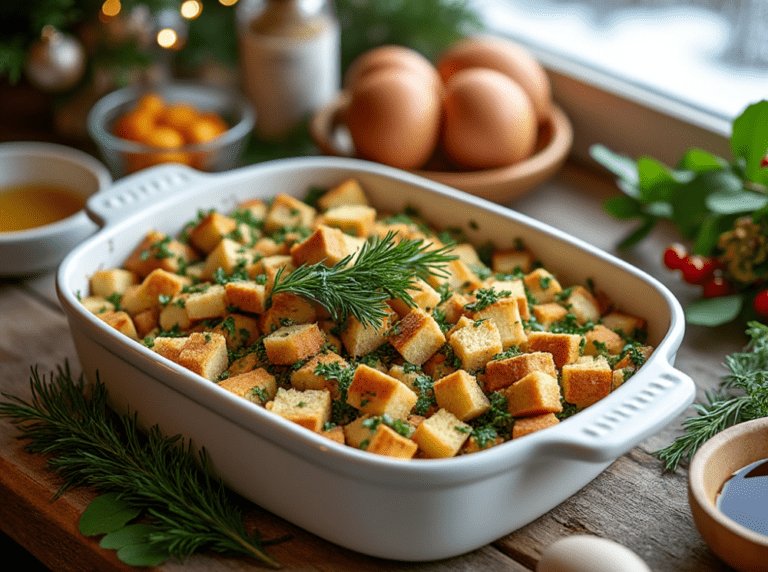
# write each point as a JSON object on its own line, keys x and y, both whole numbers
{"x": 43, "y": 189}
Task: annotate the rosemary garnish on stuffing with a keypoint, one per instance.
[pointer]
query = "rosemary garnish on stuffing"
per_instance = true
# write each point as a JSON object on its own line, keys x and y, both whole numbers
{"x": 182, "y": 509}
{"x": 742, "y": 396}
{"x": 383, "y": 269}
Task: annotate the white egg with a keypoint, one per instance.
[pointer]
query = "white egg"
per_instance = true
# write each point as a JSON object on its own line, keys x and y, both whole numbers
{"x": 582, "y": 553}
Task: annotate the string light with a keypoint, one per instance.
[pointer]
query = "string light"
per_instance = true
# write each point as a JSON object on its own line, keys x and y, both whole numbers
{"x": 109, "y": 9}
{"x": 167, "y": 38}
{"x": 191, "y": 9}
{"x": 227, "y": 2}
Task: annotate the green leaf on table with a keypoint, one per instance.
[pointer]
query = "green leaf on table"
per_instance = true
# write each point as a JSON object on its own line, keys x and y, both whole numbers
{"x": 134, "y": 546}
{"x": 622, "y": 207}
{"x": 658, "y": 182}
{"x": 714, "y": 311}
{"x": 700, "y": 161}
{"x": 106, "y": 513}
{"x": 749, "y": 140}
{"x": 620, "y": 165}
{"x": 128, "y": 535}
{"x": 709, "y": 233}
{"x": 727, "y": 202}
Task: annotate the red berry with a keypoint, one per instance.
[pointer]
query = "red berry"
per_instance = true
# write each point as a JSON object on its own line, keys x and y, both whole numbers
{"x": 764, "y": 162}
{"x": 697, "y": 268}
{"x": 674, "y": 256}
{"x": 760, "y": 303}
{"x": 717, "y": 286}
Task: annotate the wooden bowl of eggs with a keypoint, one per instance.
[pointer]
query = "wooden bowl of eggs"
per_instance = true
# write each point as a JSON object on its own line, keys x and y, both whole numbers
{"x": 481, "y": 119}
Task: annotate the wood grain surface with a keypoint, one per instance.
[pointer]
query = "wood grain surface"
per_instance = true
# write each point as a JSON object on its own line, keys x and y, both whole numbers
{"x": 633, "y": 502}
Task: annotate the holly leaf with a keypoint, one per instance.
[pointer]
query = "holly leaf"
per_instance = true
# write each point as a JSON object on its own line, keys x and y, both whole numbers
{"x": 714, "y": 311}
{"x": 749, "y": 140}
{"x": 106, "y": 513}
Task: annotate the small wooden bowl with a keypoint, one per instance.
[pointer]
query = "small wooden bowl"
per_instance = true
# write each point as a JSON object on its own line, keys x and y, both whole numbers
{"x": 712, "y": 465}
{"x": 500, "y": 185}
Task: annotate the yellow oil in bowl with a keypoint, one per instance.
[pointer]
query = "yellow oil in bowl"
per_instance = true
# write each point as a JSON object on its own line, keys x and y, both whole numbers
{"x": 29, "y": 206}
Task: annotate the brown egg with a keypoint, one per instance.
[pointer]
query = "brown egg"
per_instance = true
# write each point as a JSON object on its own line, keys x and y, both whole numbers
{"x": 387, "y": 57}
{"x": 394, "y": 118}
{"x": 506, "y": 57}
{"x": 488, "y": 120}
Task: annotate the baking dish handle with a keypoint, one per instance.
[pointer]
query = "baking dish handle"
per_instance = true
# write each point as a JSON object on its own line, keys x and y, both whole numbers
{"x": 644, "y": 410}
{"x": 136, "y": 192}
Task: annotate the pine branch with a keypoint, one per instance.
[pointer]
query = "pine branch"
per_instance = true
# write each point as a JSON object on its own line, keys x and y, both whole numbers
{"x": 188, "y": 510}
{"x": 382, "y": 270}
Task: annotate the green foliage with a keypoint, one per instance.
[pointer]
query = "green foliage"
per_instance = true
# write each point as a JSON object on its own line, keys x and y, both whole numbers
{"x": 703, "y": 194}
{"x": 184, "y": 510}
{"x": 742, "y": 396}
{"x": 382, "y": 270}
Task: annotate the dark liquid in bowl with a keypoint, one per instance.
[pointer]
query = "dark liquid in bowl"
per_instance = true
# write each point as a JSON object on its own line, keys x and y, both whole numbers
{"x": 744, "y": 497}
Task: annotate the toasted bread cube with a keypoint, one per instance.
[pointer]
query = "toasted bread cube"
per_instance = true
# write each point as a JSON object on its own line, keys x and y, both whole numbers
{"x": 417, "y": 336}
{"x": 247, "y": 296}
{"x": 505, "y": 372}
{"x": 248, "y": 362}
{"x": 460, "y": 394}
{"x": 310, "y": 409}
{"x": 210, "y": 303}
{"x": 373, "y": 434}
{"x": 113, "y": 281}
{"x": 623, "y": 323}
{"x": 354, "y": 220}
{"x": 327, "y": 245}
{"x": 527, "y": 425}
{"x": 407, "y": 377}
{"x": 268, "y": 246}
{"x": 512, "y": 260}
{"x": 286, "y": 309}
{"x": 467, "y": 253}
{"x": 359, "y": 339}
{"x": 121, "y": 321}
{"x": 348, "y": 192}
{"x": 173, "y": 316}
{"x": 459, "y": 277}
{"x": 228, "y": 255}
{"x": 473, "y": 445}
{"x": 257, "y": 386}
{"x": 289, "y": 344}
{"x": 256, "y": 208}
{"x": 535, "y": 394}
{"x": 271, "y": 266}
{"x": 601, "y": 339}
{"x": 168, "y": 347}
{"x": 548, "y": 313}
{"x": 423, "y": 295}
{"x": 239, "y": 330}
{"x": 287, "y": 211}
{"x": 587, "y": 381}
{"x": 306, "y": 378}
{"x": 158, "y": 250}
{"x": 542, "y": 285}
{"x": 634, "y": 358}
{"x": 335, "y": 433}
{"x": 475, "y": 343}
{"x": 207, "y": 233}
{"x": 453, "y": 307}
{"x": 583, "y": 305}
{"x": 377, "y": 393}
{"x": 438, "y": 366}
{"x": 516, "y": 289}
{"x": 205, "y": 354}
{"x": 619, "y": 377}
{"x": 505, "y": 313}
{"x": 146, "y": 321}
{"x": 565, "y": 348}
{"x": 147, "y": 294}
{"x": 441, "y": 435}
{"x": 97, "y": 304}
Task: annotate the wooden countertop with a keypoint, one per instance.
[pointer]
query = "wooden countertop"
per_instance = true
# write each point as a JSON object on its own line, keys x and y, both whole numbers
{"x": 632, "y": 502}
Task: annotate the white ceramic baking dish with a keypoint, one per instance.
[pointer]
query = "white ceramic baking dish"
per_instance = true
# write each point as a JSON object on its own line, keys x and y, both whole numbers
{"x": 405, "y": 510}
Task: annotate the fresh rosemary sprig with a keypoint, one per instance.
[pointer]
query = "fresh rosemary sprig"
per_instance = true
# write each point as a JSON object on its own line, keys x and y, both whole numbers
{"x": 383, "y": 269}
{"x": 749, "y": 377}
{"x": 185, "y": 509}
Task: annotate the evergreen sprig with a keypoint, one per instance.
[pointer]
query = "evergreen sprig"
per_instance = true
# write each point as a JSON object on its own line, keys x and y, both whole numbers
{"x": 383, "y": 269}
{"x": 749, "y": 378}
{"x": 186, "y": 511}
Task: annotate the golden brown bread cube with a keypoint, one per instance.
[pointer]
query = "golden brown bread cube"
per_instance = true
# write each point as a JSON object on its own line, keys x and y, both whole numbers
{"x": 288, "y": 211}
{"x": 258, "y": 386}
{"x": 248, "y": 296}
{"x": 159, "y": 250}
{"x": 535, "y": 394}
{"x": 326, "y": 244}
{"x": 441, "y": 435}
{"x": 623, "y": 322}
{"x": 310, "y": 409}
{"x": 527, "y": 425}
{"x": 205, "y": 354}
{"x": 587, "y": 381}
{"x": 207, "y": 233}
{"x": 417, "y": 336}
{"x": 354, "y": 220}
{"x": 565, "y": 348}
{"x": 548, "y": 313}
{"x": 511, "y": 260}
{"x": 286, "y": 308}
{"x": 475, "y": 343}
{"x": 516, "y": 289}
{"x": 210, "y": 302}
{"x": 581, "y": 303}
{"x": 360, "y": 339}
{"x": 505, "y": 313}
{"x": 542, "y": 285}
{"x": 306, "y": 378}
{"x": 239, "y": 330}
{"x": 460, "y": 394}
{"x": 121, "y": 321}
{"x": 113, "y": 281}
{"x": 601, "y": 339}
{"x": 289, "y": 344}
{"x": 504, "y": 372}
{"x": 377, "y": 393}
{"x": 423, "y": 295}
{"x": 453, "y": 307}
{"x": 146, "y": 321}
{"x": 168, "y": 347}
{"x": 227, "y": 256}
{"x": 349, "y": 192}
{"x": 97, "y": 304}
{"x": 157, "y": 283}
{"x": 372, "y": 434}
{"x": 459, "y": 276}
